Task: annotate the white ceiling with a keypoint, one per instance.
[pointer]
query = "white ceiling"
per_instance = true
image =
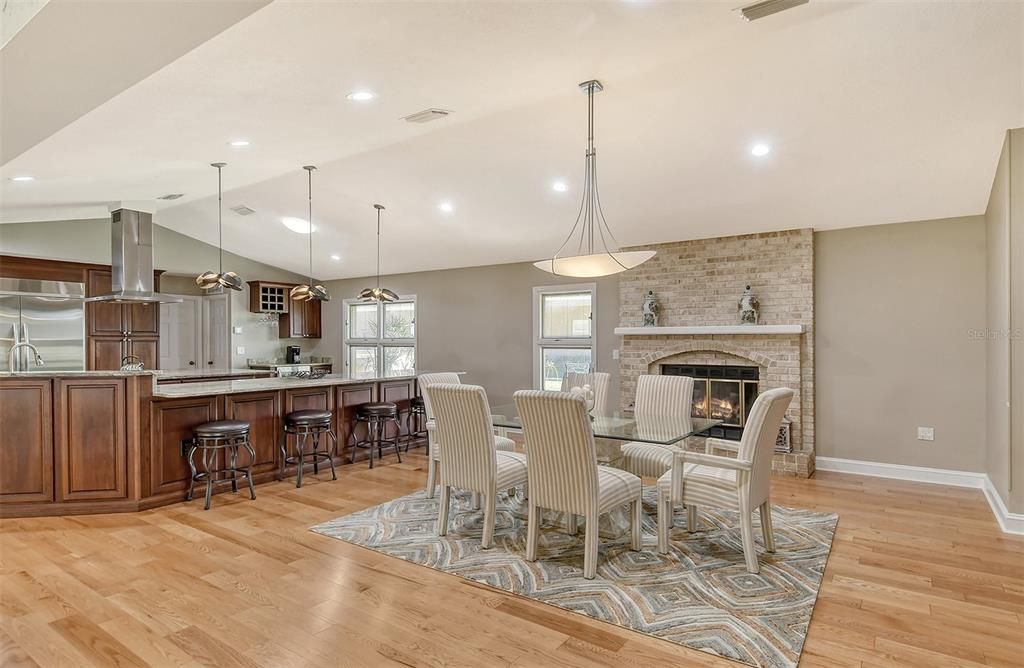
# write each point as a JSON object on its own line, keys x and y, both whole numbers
{"x": 876, "y": 112}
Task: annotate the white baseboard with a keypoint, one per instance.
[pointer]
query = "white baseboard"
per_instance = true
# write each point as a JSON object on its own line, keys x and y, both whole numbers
{"x": 1008, "y": 522}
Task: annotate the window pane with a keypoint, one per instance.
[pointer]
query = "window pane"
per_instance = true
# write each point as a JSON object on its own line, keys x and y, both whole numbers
{"x": 399, "y": 361}
{"x": 399, "y": 320}
{"x": 566, "y": 315}
{"x": 555, "y": 362}
{"x": 362, "y": 321}
{"x": 362, "y": 361}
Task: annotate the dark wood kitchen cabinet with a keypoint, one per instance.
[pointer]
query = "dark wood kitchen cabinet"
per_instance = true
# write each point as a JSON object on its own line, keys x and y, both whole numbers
{"x": 26, "y": 441}
{"x": 302, "y": 321}
{"x": 91, "y": 441}
{"x": 116, "y": 331}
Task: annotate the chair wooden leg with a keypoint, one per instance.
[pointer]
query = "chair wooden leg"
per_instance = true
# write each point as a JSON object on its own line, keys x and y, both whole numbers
{"x": 766, "y": 526}
{"x": 442, "y": 515}
{"x": 691, "y": 517}
{"x": 532, "y": 532}
{"x": 590, "y": 538}
{"x": 664, "y": 521}
{"x": 490, "y": 501}
{"x": 747, "y": 533}
{"x": 636, "y": 510}
{"x": 431, "y": 478}
{"x": 476, "y": 500}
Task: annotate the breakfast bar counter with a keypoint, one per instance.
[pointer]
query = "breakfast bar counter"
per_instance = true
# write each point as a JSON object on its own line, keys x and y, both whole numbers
{"x": 101, "y": 442}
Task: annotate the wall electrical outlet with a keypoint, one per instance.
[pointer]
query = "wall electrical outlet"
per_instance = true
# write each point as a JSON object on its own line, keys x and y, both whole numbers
{"x": 236, "y": 330}
{"x": 926, "y": 433}
{"x": 240, "y": 350}
{"x": 615, "y": 354}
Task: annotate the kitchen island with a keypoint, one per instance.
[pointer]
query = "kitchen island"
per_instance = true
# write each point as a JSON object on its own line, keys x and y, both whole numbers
{"x": 111, "y": 441}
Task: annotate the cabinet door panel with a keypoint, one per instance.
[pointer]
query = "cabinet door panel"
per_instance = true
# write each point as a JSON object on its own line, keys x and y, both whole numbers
{"x": 147, "y": 350}
{"x": 349, "y": 398}
{"x": 105, "y": 353}
{"x": 398, "y": 392}
{"x": 91, "y": 442}
{"x": 312, "y": 319}
{"x": 143, "y": 319}
{"x": 26, "y": 441}
{"x": 172, "y": 422}
{"x": 263, "y": 413}
{"x": 102, "y": 318}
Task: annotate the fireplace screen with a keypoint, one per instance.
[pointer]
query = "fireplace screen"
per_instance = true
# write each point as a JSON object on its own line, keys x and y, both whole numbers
{"x": 721, "y": 393}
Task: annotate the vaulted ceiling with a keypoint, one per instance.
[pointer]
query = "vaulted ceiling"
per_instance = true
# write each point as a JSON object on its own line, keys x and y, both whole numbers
{"x": 875, "y": 113}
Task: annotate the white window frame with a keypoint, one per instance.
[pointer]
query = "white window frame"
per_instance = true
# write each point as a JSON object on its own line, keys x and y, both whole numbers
{"x": 379, "y": 342}
{"x": 540, "y": 342}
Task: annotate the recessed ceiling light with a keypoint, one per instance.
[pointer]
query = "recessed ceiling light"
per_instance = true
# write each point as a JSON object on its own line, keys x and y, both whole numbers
{"x": 239, "y": 143}
{"x": 336, "y": 257}
{"x": 760, "y": 150}
{"x": 447, "y": 207}
{"x": 360, "y": 96}
{"x": 296, "y": 225}
{"x": 560, "y": 186}
{"x": 23, "y": 178}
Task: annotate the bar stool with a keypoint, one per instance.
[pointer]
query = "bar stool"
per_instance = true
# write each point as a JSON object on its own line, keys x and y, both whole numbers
{"x": 307, "y": 423}
{"x": 213, "y": 438}
{"x": 376, "y": 416}
{"x": 418, "y": 417}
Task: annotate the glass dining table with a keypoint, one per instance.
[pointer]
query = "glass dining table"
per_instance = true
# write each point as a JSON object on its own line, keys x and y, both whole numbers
{"x": 612, "y": 430}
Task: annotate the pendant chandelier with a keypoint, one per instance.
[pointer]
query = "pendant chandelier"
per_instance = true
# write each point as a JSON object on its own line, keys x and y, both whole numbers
{"x": 587, "y": 251}
{"x": 378, "y": 294}
{"x": 225, "y": 279}
{"x": 309, "y": 291}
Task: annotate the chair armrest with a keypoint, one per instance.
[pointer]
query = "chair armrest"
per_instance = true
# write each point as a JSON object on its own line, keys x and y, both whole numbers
{"x": 716, "y": 460}
{"x": 711, "y": 444}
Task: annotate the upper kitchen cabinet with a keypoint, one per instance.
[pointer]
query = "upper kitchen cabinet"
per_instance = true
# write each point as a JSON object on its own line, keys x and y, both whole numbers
{"x": 302, "y": 321}
{"x": 267, "y": 297}
{"x": 113, "y": 319}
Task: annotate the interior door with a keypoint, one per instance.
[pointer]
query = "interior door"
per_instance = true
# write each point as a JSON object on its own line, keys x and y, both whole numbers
{"x": 181, "y": 334}
{"x": 216, "y": 332}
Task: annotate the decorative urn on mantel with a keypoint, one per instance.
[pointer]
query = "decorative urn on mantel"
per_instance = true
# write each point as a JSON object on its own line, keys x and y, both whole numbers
{"x": 650, "y": 309}
{"x": 749, "y": 308}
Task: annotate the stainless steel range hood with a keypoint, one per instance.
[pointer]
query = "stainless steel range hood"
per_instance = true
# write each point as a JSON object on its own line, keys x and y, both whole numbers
{"x": 131, "y": 255}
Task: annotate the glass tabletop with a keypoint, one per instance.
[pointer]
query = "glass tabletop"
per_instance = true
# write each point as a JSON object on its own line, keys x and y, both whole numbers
{"x": 661, "y": 429}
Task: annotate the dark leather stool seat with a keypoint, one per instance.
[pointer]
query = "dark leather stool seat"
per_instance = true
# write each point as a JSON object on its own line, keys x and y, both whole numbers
{"x": 417, "y": 402}
{"x": 309, "y": 416}
{"x": 305, "y": 425}
{"x": 221, "y": 428}
{"x": 376, "y": 415}
{"x": 210, "y": 438}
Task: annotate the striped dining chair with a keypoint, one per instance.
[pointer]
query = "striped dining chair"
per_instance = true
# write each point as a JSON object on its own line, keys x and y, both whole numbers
{"x": 563, "y": 471}
{"x": 434, "y": 462}
{"x": 657, "y": 396}
{"x": 463, "y": 424}
{"x": 740, "y": 484}
{"x": 599, "y": 382}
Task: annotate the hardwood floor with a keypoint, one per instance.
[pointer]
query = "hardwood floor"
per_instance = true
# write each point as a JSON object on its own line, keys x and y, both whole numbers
{"x": 919, "y": 575}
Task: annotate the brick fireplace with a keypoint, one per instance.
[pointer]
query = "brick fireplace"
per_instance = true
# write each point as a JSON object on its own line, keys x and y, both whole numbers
{"x": 698, "y": 284}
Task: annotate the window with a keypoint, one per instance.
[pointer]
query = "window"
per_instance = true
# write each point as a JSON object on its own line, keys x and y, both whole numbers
{"x": 563, "y": 325}
{"x": 380, "y": 338}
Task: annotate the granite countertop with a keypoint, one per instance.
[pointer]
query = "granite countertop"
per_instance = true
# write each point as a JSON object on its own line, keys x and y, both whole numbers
{"x": 260, "y": 385}
{"x": 206, "y": 373}
{"x": 115, "y": 373}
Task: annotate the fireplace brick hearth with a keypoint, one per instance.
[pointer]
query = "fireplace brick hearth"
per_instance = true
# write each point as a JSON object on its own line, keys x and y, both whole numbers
{"x": 698, "y": 283}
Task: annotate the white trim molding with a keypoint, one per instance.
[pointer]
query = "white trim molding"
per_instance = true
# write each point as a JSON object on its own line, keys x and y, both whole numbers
{"x": 1008, "y": 522}
{"x": 704, "y": 330}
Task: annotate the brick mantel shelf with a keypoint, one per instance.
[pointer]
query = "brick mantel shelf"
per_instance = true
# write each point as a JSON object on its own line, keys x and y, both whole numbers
{"x": 702, "y": 330}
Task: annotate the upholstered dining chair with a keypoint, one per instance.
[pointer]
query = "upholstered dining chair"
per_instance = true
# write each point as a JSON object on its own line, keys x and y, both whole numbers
{"x": 599, "y": 382}
{"x": 471, "y": 462}
{"x": 434, "y": 461}
{"x": 741, "y": 483}
{"x": 656, "y": 396}
{"x": 563, "y": 471}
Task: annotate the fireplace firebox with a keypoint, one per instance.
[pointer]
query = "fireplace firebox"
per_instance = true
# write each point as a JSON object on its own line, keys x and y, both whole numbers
{"x": 720, "y": 392}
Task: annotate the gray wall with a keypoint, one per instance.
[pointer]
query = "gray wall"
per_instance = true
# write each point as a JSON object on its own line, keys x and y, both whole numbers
{"x": 895, "y": 306}
{"x": 89, "y": 241}
{"x": 478, "y": 320}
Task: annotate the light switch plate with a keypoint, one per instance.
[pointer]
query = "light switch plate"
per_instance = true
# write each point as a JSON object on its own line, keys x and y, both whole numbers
{"x": 926, "y": 433}
{"x": 240, "y": 350}
{"x": 615, "y": 354}
{"x": 236, "y": 330}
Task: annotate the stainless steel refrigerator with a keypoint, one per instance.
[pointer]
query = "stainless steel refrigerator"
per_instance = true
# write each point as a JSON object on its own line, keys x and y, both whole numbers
{"x": 48, "y": 314}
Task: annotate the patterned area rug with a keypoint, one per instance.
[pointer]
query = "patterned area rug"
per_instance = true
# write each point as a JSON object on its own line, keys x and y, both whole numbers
{"x": 699, "y": 595}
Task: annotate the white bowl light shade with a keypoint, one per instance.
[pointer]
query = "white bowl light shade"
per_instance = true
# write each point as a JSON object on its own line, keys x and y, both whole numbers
{"x": 595, "y": 264}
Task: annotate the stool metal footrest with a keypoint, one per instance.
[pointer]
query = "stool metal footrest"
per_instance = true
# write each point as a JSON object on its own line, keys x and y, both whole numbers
{"x": 306, "y": 432}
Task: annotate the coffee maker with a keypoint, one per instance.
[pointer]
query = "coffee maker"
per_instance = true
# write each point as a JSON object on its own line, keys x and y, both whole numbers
{"x": 292, "y": 355}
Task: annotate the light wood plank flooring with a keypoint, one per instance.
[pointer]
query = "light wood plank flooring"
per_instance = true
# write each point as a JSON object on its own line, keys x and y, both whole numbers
{"x": 919, "y": 575}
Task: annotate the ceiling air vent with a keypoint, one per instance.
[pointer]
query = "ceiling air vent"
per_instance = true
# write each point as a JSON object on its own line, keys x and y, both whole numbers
{"x": 426, "y": 115}
{"x": 171, "y": 196}
{"x": 242, "y": 210}
{"x": 759, "y": 10}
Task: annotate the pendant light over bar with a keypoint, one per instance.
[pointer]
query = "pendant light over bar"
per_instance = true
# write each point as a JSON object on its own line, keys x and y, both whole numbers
{"x": 226, "y": 279}
{"x": 308, "y": 291}
{"x": 590, "y": 235}
{"x": 378, "y": 294}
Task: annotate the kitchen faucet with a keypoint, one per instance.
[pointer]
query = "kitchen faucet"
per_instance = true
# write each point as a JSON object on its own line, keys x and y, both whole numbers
{"x": 10, "y": 357}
